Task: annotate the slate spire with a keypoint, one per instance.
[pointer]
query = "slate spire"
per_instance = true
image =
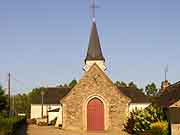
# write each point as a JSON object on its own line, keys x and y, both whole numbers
{"x": 94, "y": 49}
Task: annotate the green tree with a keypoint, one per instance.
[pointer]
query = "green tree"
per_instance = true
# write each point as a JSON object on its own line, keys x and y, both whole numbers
{"x": 151, "y": 90}
{"x": 120, "y": 84}
{"x": 3, "y": 100}
{"x": 36, "y": 92}
{"x": 22, "y": 104}
{"x": 65, "y": 85}
{"x": 72, "y": 83}
{"x": 132, "y": 85}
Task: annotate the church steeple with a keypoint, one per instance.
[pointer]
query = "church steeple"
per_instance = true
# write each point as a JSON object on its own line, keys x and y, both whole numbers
{"x": 94, "y": 52}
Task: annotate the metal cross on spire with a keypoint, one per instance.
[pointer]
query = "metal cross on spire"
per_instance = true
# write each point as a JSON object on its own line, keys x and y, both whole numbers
{"x": 165, "y": 72}
{"x": 94, "y": 6}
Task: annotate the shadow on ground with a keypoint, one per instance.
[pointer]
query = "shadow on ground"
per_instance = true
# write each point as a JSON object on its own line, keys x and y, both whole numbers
{"x": 22, "y": 130}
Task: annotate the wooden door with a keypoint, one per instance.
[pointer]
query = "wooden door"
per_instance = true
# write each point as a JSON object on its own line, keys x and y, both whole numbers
{"x": 95, "y": 115}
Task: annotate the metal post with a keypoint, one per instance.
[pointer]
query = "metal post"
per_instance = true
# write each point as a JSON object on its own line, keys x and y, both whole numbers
{"x": 42, "y": 102}
{"x": 9, "y": 94}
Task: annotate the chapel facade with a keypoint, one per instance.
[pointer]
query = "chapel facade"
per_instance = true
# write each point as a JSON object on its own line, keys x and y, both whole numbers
{"x": 95, "y": 103}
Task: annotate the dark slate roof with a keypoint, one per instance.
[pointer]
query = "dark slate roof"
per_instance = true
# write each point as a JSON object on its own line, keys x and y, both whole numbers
{"x": 52, "y": 95}
{"x": 171, "y": 96}
{"x": 134, "y": 94}
{"x": 94, "y": 50}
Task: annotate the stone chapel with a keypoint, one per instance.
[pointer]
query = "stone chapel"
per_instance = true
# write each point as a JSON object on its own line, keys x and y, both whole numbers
{"x": 95, "y": 103}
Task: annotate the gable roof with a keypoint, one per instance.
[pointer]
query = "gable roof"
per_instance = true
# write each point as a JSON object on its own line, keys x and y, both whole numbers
{"x": 94, "y": 49}
{"x": 52, "y": 95}
{"x": 171, "y": 96}
{"x": 134, "y": 94}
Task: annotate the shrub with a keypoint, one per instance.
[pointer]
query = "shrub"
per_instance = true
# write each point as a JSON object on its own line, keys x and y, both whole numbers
{"x": 8, "y": 126}
{"x": 159, "y": 128}
{"x": 140, "y": 122}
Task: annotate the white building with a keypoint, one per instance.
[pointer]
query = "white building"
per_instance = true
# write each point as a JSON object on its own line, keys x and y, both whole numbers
{"x": 51, "y": 103}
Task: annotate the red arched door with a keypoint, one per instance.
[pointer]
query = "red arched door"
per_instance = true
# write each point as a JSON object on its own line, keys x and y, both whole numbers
{"x": 95, "y": 115}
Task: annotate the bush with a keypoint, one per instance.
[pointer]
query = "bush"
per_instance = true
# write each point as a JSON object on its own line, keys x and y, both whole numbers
{"x": 159, "y": 128}
{"x": 8, "y": 126}
{"x": 140, "y": 122}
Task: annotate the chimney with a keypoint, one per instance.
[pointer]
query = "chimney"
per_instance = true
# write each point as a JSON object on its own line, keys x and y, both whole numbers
{"x": 164, "y": 85}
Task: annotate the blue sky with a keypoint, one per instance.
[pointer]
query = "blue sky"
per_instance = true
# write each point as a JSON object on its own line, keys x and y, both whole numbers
{"x": 44, "y": 42}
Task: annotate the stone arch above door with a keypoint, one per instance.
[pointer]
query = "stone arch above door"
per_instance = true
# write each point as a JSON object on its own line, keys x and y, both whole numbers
{"x": 106, "y": 111}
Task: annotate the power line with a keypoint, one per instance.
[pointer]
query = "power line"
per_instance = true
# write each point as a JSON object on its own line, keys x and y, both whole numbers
{"x": 21, "y": 83}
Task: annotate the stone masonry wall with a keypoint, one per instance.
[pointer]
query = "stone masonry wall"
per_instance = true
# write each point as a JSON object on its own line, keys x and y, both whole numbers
{"x": 94, "y": 82}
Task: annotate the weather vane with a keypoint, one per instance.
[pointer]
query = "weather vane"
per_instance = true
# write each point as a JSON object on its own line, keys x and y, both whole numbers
{"x": 94, "y": 6}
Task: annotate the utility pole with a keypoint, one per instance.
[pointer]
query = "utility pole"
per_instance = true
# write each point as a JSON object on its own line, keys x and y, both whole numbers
{"x": 42, "y": 102}
{"x": 9, "y": 93}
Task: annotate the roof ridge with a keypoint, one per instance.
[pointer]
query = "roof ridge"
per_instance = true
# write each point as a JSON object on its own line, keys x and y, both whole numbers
{"x": 173, "y": 85}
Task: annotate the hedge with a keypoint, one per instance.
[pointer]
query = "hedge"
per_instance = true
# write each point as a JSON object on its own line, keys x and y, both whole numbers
{"x": 8, "y": 126}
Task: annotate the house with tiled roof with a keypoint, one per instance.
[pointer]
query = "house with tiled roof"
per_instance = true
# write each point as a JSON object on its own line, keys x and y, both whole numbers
{"x": 170, "y": 101}
{"x": 48, "y": 105}
{"x": 138, "y": 99}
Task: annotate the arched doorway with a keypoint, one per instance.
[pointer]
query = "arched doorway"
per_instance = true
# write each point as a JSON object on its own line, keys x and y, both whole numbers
{"x": 95, "y": 115}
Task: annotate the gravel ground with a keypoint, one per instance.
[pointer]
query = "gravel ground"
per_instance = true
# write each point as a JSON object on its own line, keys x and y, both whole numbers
{"x": 49, "y": 130}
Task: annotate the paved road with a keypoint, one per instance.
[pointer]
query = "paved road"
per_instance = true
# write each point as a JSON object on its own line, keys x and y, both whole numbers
{"x": 48, "y": 130}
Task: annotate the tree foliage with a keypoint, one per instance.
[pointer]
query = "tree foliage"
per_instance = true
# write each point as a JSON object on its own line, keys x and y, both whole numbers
{"x": 140, "y": 121}
{"x": 3, "y": 100}
{"x": 23, "y": 101}
{"x": 22, "y": 104}
{"x": 72, "y": 83}
{"x": 132, "y": 85}
{"x": 9, "y": 125}
{"x": 151, "y": 90}
{"x": 120, "y": 84}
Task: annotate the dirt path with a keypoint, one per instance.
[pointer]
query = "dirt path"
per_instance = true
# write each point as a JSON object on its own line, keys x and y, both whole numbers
{"x": 42, "y": 130}
{"x": 49, "y": 130}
